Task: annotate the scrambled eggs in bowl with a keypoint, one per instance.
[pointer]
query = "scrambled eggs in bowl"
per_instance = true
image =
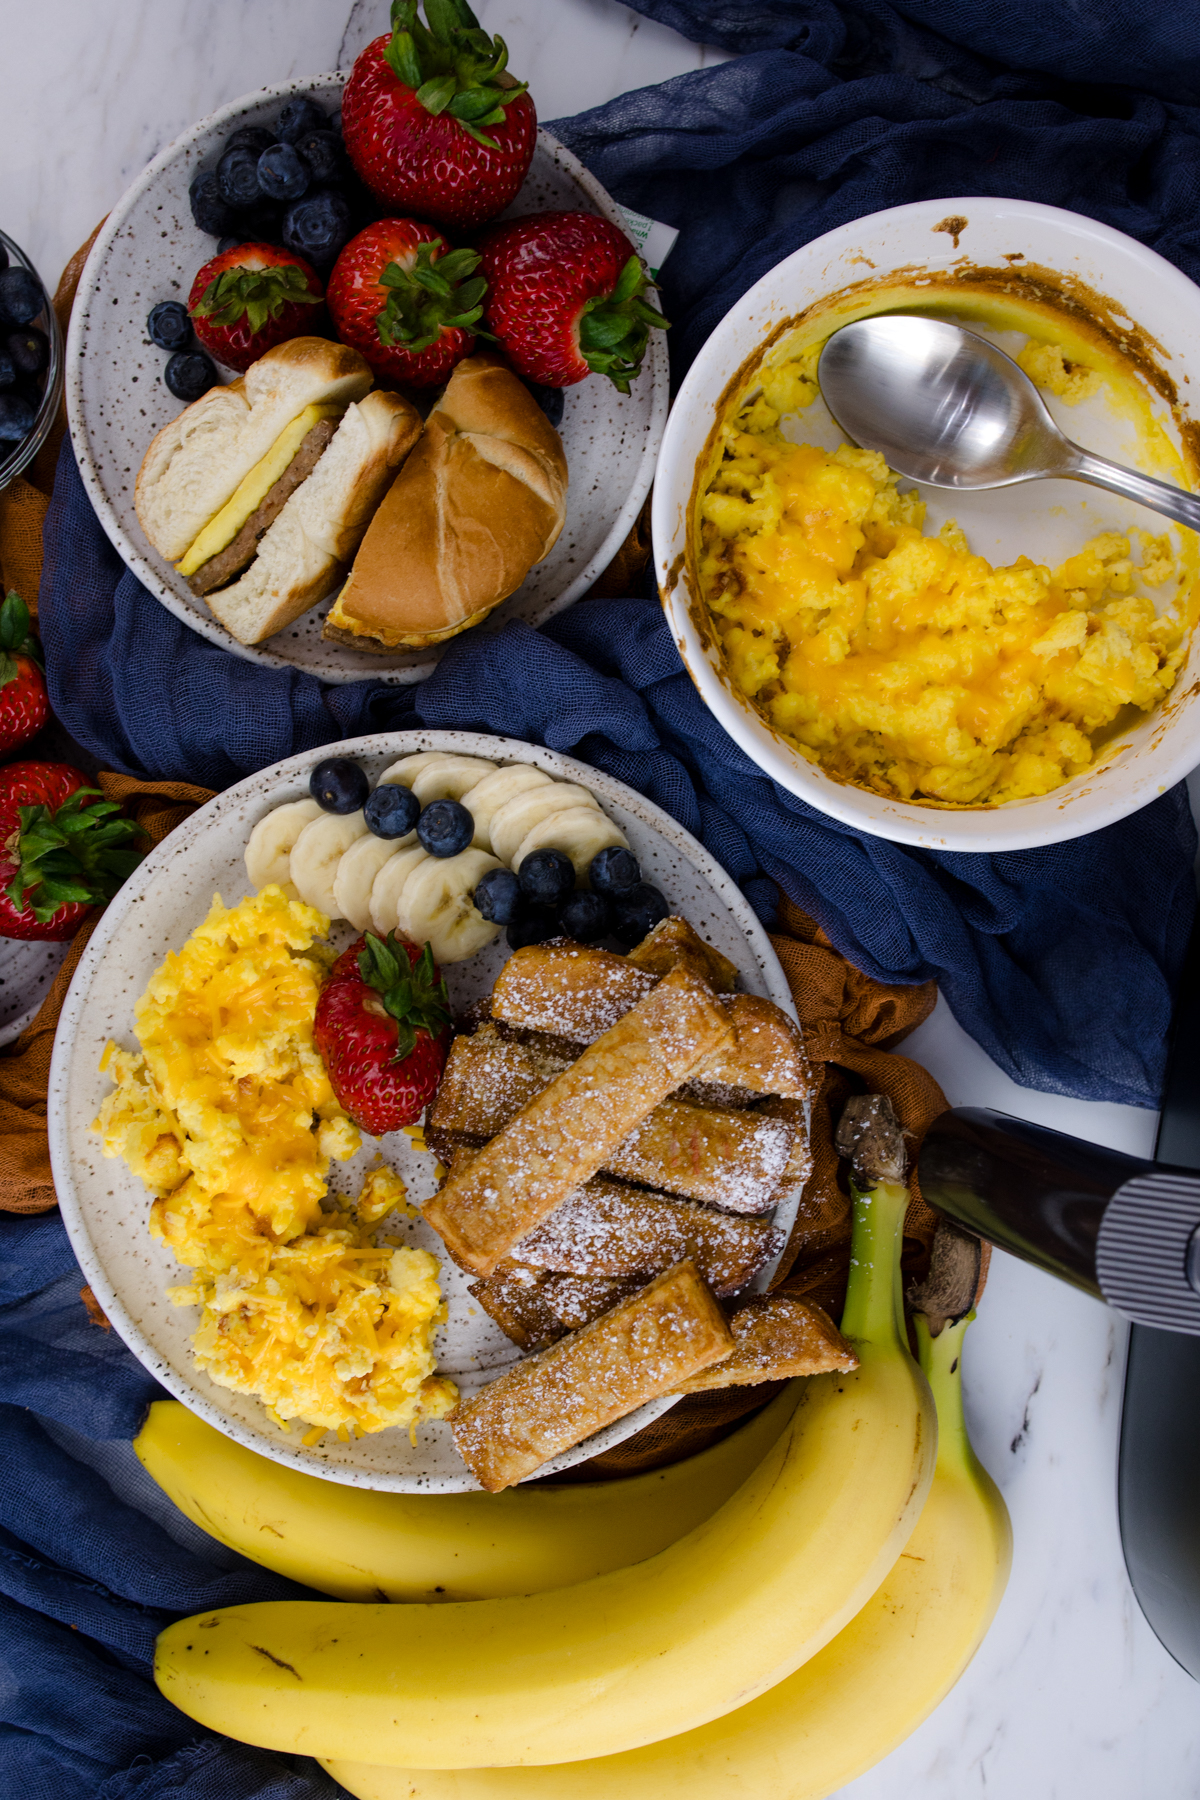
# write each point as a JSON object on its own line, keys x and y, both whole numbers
{"x": 228, "y": 1117}
{"x": 898, "y": 660}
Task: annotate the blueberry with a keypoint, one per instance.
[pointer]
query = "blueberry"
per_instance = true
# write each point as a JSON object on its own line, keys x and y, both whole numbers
{"x": 300, "y": 116}
{"x": 190, "y": 373}
{"x": 535, "y": 927}
{"x": 8, "y": 373}
{"x": 636, "y": 911}
{"x": 445, "y": 827}
{"x": 16, "y": 418}
{"x": 318, "y": 226}
{"x": 546, "y": 876}
{"x": 322, "y": 151}
{"x": 550, "y": 399}
{"x": 614, "y": 870}
{"x": 339, "y": 785}
{"x": 499, "y": 898}
{"x": 250, "y": 137}
{"x": 585, "y": 916}
{"x": 169, "y": 325}
{"x": 21, "y": 296}
{"x": 29, "y": 350}
{"x": 391, "y": 811}
{"x": 209, "y": 210}
{"x": 237, "y": 179}
{"x": 283, "y": 173}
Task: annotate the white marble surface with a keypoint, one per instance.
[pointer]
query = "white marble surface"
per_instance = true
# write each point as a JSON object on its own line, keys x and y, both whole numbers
{"x": 1071, "y": 1695}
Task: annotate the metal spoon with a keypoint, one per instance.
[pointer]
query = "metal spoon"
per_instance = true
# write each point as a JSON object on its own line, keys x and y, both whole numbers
{"x": 947, "y": 408}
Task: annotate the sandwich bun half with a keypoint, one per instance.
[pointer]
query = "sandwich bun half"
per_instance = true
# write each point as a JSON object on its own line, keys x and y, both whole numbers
{"x": 305, "y": 554}
{"x": 480, "y": 500}
{"x": 196, "y": 463}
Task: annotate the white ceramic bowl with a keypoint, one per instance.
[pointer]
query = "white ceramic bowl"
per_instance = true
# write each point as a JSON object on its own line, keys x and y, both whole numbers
{"x": 150, "y": 250}
{"x": 105, "y": 1207}
{"x": 1138, "y": 296}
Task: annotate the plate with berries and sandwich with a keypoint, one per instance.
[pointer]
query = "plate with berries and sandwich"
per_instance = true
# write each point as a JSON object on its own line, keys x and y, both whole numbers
{"x": 431, "y": 1113}
{"x": 357, "y": 365}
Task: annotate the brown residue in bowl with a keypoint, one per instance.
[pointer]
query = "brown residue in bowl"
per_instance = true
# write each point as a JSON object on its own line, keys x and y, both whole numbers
{"x": 954, "y": 227}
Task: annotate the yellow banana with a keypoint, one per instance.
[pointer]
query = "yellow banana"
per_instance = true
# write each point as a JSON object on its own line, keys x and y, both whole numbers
{"x": 359, "y": 1545}
{"x": 629, "y": 1657}
{"x": 838, "y": 1714}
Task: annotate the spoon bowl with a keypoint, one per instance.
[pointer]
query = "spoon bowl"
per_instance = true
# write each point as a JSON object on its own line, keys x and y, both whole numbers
{"x": 947, "y": 408}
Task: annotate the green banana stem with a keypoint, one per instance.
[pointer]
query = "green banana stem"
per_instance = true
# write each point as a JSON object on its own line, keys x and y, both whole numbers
{"x": 941, "y": 1361}
{"x": 874, "y": 1305}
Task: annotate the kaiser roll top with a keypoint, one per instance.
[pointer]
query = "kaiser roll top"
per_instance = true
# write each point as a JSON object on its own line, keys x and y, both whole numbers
{"x": 480, "y": 500}
{"x": 199, "y": 459}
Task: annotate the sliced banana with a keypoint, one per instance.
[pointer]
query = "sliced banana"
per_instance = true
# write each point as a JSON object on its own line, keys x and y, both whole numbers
{"x": 385, "y": 890}
{"x": 317, "y": 853}
{"x": 512, "y": 822}
{"x": 485, "y": 799}
{"x": 269, "y": 849}
{"x": 437, "y": 774}
{"x": 579, "y": 831}
{"x": 356, "y": 874}
{"x": 436, "y": 905}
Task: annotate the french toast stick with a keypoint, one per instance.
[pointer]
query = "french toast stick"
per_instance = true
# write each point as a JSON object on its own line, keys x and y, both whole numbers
{"x": 535, "y": 1307}
{"x": 776, "y": 1337}
{"x": 734, "y": 1160}
{"x": 566, "y": 1133}
{"x": 674, "y": 944}
{"x": 577, "y": 991}
{"x": 647, "y": 1345}
{"x": 607, "y": 1229}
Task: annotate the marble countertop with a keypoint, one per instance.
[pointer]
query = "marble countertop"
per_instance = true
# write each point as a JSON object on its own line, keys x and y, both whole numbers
{"x": 1071, "y": 1694}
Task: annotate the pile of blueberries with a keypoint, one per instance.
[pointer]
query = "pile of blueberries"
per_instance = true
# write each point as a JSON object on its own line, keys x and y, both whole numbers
{"x": 540, "y": 901}
{"x": 24, "y": 353}
{"x": 292, "y": 186}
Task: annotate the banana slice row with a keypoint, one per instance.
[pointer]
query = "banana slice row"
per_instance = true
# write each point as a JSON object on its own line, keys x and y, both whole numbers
{"x": 333, "y": 862}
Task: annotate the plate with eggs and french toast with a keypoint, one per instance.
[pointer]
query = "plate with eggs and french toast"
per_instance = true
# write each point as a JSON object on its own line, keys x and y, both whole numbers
{"x": 362, "y": 446}
{"x": 430, "y": 1112}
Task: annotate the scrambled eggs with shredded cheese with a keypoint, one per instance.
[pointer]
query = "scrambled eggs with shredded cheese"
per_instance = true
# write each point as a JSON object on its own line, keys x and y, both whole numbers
{"x": 901, "y": 662}
{"x": 228, "y": 1117}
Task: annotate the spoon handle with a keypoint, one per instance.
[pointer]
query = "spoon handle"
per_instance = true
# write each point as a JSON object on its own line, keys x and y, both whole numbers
{"x": 1159, "y": 496}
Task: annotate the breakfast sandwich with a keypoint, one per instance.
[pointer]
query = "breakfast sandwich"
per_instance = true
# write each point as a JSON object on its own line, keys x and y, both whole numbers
{"x": 260, "y": 492}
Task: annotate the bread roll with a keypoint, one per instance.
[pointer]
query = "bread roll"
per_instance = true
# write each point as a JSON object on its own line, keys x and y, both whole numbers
{"x": 306, "y": 552}
{"x": 197, "y": 461}
{"x": 481, "y": 499}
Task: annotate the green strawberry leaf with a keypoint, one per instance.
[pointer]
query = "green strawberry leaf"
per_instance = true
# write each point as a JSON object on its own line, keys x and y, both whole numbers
{"x": 615, "y": 329}
{"x": 408, "y": 990}
{"x": 77, "y": 854}
{"x": 255, "y": 295}
{"x": 430, "y": 298}
{"x": 16, "y": 639}
{"x": 452, "y": 65}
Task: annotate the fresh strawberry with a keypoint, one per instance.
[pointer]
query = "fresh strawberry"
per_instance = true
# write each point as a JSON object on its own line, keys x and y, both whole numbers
{"x": 24, "y": 707}
{"x": 566, "y": 298}
{"x": 401, "y": 297}
{"x": 432, "y": 121}
{"x": 383, "y": 1030}
{"x": 63, "y": 849}
{"x": 251, "y": 297}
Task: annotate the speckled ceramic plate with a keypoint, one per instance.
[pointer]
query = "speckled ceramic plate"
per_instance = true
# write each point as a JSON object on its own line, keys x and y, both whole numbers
{"x": 105, "y": 1207}
{"x": 150, "y": 249}
{"x": 27, "y": 971}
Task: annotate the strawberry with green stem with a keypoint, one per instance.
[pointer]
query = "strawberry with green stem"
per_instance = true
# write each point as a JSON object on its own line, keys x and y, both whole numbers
{"x": 432, "y": 120}
{"x": 250, "y": 298}
{"x": 383, "y": 1030}
{"x": 406, "y": 302}
{"x": 24, "y": 706}
{"x": 567, "y": 298}
{"x": 63, "y": 849}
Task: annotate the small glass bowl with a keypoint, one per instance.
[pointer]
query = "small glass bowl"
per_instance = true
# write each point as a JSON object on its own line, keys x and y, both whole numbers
{"x": 20, "y": 457}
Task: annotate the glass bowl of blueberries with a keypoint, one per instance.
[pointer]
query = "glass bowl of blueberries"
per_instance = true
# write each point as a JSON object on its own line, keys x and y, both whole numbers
{"x": 31, "y": 362}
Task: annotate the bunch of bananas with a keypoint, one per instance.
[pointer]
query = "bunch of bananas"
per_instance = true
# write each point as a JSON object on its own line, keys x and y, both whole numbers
{"x": 798, "y": 1630}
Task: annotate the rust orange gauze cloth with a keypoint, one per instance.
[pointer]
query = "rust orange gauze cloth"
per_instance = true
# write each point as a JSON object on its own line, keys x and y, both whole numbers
{"x": 851, "y": 1026}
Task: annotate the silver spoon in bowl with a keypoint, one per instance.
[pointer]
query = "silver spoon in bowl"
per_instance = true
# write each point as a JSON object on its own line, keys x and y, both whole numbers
{"x": 946, "y": 407}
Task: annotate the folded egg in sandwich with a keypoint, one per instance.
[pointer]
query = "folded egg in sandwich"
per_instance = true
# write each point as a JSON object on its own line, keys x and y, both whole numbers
{"x": 260, "y": 492}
